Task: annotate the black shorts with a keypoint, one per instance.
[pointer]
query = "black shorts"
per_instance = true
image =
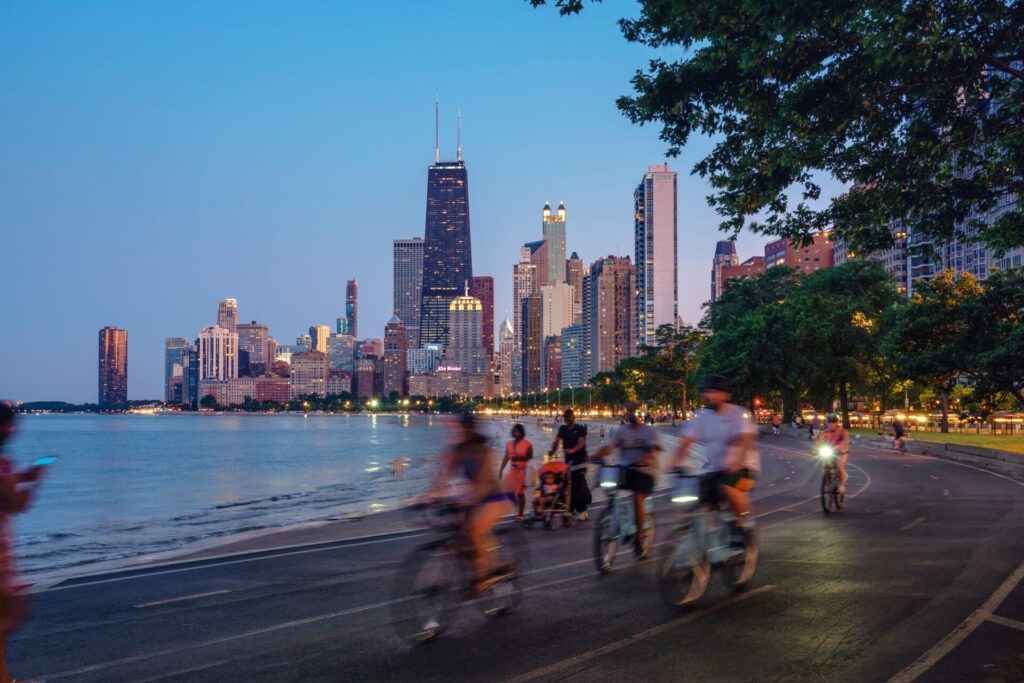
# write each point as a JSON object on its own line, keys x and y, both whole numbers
{"x": 637, "y": 481}
{"x": 742, "y": 480}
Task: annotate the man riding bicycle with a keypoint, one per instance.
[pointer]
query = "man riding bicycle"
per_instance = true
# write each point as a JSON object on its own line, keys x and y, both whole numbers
{"x": 836, "y": 436}
{"x": 484, "y": 500}
{"x": 729, "y": 439}
{"x": 638, "y": 449}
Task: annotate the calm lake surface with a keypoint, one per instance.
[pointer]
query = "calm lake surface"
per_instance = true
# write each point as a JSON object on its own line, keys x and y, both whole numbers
{"x": 133, "y": 485}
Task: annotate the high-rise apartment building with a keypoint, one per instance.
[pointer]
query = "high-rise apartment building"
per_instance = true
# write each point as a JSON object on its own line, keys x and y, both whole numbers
{"x": 482, "y": 288}
{"x": 608, "y": 315}
{"x": 894, "y": 258}
{"x": 309, "y": 372}
{"x": 341, "y": 352}
{"x": 396, "y": 349}
{"x": 319, "y": 334}
{"x": 556, "y": 308}
{"x": 352, "y": 308}
{"x": 465, "y": 348}
{"x": 113, "y": 367}
{"x": 552, "y": 363}
{"x": 408, "y": 285}
{"x": 749, "y": 268}
{"x": 532, "y": 342}
{"x": 366, "y": 378}
{"x": 254, "y": 340}
{"x": 506, "y": 352}
{"x": 371, "y": 346}
{"x": 574, "y": 271}
{"x": 553, "y": 227}
{"x": 656, "y": 236}
{"x": 175, "y": 349}
{"x": 573, "y": 374}
{"x": 341, "y": 325}
{"x": 524, "y": 283}
{"x": 538, "y": 255}
{"x": 218, "y": 353}
{"x": 447, "y": 247}
{"x": 725, "y": 255}
{"x": 424, "y": 360}
{"x": 227, "y": 314}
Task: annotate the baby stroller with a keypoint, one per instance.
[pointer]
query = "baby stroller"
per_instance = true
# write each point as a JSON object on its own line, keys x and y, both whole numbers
{"x": 552, "y": 495}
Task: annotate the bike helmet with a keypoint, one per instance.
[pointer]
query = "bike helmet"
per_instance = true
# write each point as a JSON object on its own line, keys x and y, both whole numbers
{"x": 832, "y": 417}
{"x": 716, "y": 383}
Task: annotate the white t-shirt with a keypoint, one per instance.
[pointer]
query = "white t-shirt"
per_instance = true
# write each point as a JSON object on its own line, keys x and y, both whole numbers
{"x": 719, "y": 434}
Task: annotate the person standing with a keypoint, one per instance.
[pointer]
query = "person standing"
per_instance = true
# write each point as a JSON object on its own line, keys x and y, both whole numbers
{"x": 518, "y": 453}
{"x": 813, "y": 429}
{"x": 14, "y": 498}
{"x": 573, "y": 437}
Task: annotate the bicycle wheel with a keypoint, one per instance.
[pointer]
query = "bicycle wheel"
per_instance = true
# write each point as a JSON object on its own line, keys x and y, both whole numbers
{"x": 429, "y": 579}
{"x": 606, "y": 540}
{"x": 512, "y": 556}
{"x": 827, "y": 497}
{"x": 739, "y": 570}
{"x": 682, "y": 577}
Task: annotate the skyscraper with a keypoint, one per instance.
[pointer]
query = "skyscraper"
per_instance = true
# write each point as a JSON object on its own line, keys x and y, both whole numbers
{"x": 725, "y": 255}
{"x": 608, "y": 316}
{"x": 553, "y": 227}
{"x": 318, "y": 335}
{"x": 341, "y": 352}
{"x": 254, "y": 339}
{"x": 557, "y": 308}
{"x": 572, "y": 357}
{"x": 396, "y": 348}
{"x": 506, "y": 352}
{"x": 465, "y": 344}
{"x": 532, "y": 341}
{"x": 657, "y": 286}
{"x": 175, "y": 348}
{"x": 352, "y": 308}
{"x": 113, "y": 367}
{"x": 408, "y": 285}
{"x": 524, "y": 283}
{"x": 482, "y": 288}
{"x": 574, "y": 272}
{"x": 447, "y": 248}
{"x": 218, "y": 354}
{"x": 309, "y": 374}
{"x": 227, "y": 314}
{"x": 538, "y": 254}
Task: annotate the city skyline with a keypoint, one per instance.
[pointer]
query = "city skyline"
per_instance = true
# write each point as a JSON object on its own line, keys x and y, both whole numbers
{"x": 265, "y": 184}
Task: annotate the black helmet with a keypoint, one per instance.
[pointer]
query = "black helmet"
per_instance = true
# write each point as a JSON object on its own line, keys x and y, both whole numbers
{"x": 716, "y": 383}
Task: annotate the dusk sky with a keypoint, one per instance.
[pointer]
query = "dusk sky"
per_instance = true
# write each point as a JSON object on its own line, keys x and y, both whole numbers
{"x": 158, "y": 157}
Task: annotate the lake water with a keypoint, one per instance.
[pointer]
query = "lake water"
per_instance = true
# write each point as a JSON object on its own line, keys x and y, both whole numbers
{"x": 132, "y": 485}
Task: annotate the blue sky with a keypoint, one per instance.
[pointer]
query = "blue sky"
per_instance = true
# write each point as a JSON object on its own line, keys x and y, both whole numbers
{"x": 160, "y": 156}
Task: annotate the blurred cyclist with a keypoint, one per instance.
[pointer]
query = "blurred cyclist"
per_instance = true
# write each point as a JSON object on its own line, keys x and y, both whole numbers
{"x": 729, "y": 439}
{"x": 638, "y": 449}
{"x": 835, "y": 435}
{"x": 485, "y": 501}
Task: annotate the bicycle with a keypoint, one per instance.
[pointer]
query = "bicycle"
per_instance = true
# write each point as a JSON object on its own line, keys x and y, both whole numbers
{"x": 707, "y": 539}
{"x": 831, "y": 497}
{"x": 436, "y": 579}
{"x": 618, "y": 522}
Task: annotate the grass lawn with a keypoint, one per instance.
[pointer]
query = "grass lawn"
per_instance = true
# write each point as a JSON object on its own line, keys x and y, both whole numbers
{"x": 1004, "y": 443}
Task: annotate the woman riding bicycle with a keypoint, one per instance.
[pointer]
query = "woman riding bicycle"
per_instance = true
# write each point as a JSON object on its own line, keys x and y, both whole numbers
{"x": 485, "y": 501}
{"x": 836, "y": 436}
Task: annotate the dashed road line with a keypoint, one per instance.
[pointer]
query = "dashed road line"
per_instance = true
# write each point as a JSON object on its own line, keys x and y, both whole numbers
{"x": 168, "y": 601}
{"x": 911, "y": 525}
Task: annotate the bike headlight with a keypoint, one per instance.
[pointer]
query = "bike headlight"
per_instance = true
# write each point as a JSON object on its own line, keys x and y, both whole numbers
{"x": 684, "y": 499}
{"x": 826, "y": 452}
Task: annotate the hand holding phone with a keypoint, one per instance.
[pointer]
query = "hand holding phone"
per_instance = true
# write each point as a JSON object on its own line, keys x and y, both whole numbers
{"x": 45, "y": 462}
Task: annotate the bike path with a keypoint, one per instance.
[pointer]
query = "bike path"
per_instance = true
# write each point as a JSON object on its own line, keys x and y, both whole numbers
{"x": 863, "y": 592}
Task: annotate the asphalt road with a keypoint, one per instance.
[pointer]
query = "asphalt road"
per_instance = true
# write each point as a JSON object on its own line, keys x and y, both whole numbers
{"x": 921, "y": 577}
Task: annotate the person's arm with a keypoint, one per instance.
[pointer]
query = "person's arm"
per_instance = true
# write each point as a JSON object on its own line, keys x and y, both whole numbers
{"x": 681, "y": 456}
{"x": 554, "y": 444}
{"x": 844, "y": 445}
{"x": 13, "y": 499}
{"x": 443, "y": 474}
{"x": 747, "y": 442}
{"x": 504, "y": 461}
{"x": 581, "y": 444}
{"x": 603, "y": 451}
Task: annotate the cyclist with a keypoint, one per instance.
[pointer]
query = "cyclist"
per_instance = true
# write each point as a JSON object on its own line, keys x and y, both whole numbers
{"x": 836, "y": 436}
{"x": 729, "y": 439}
{"x": 485, "y": 501}
{"x": 638, "y": 449}
{"x": 776, "y": 424}
{"x": 899, "y": 434}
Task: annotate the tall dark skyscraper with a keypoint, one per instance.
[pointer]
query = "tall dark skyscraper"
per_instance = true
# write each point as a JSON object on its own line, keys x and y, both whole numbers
{"x": 447, "y": 250}
{"x": 113, "y": 367}
{"x": 352, "y": 307}
{"x": 482, "y": 287}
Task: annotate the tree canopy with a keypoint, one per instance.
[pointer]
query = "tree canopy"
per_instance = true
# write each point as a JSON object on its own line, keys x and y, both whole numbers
{"x": 918, "y": 105}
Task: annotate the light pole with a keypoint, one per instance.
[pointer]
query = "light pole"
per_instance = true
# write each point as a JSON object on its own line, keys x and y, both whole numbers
{"x": 572, "y": 396}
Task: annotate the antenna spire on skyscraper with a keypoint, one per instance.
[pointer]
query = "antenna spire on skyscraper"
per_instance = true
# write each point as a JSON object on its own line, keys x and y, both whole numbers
{"x": 459, "y": 149}
{"x": 437, "y": 138}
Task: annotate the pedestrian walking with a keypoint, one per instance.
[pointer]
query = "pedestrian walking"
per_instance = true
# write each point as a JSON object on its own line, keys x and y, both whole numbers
{"x": 518, "y": 454}
{"x": 573, "y": 437}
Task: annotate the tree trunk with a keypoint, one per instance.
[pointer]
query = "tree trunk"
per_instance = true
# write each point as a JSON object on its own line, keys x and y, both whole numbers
{"x": 844, "y": 403}
{"x": 945, "y": 412}
{"x": 684, "y": 406}
{"x": 788, "y": 405}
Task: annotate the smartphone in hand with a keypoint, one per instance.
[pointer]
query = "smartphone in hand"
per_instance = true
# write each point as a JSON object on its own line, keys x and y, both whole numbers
{"x": 44, "y": 462}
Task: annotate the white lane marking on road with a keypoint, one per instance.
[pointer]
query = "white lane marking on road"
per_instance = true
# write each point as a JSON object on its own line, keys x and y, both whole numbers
{"x": 957, "y": 463}
{"x": 933, "y": 477}
{"x": 945, "y": 492}
{"x": 635, "y": 638}
{"x": 194, "y": 669}
{"x": 1003, "y": 621}
{"x": 183, "y": 598}
{"x": 942, "y": 648}
{"x": 911, "y": 525}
